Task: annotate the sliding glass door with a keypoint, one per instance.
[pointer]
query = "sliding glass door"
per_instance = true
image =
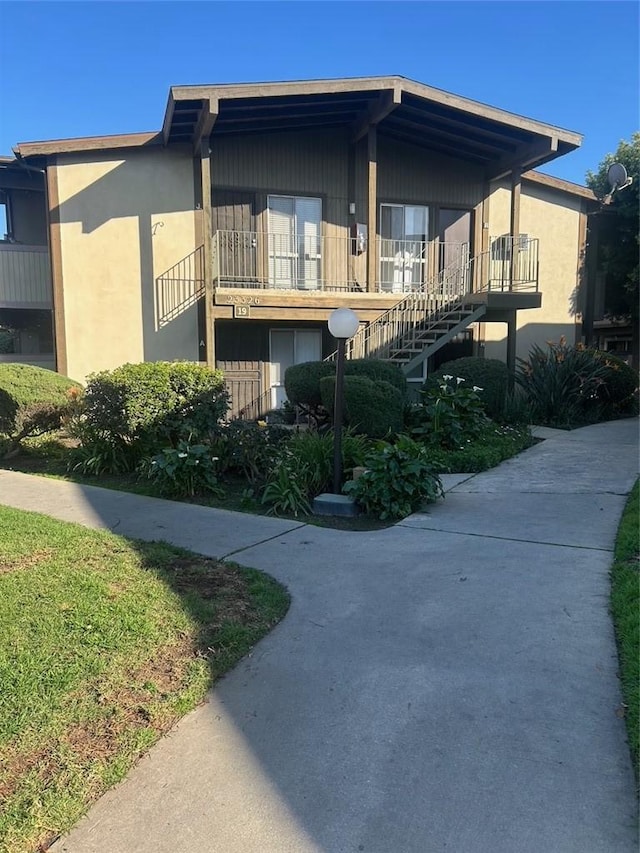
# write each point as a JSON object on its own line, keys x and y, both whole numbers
{"x": 294, "y": 242}
{"x": 404, "y": 230}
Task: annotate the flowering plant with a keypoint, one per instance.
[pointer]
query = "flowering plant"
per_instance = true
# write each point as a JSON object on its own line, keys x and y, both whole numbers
{"x": 449, "y": 414}
{"x": 183, "y": 471}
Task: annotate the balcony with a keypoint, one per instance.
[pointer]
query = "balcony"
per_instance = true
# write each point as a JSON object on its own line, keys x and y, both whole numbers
{"x": 25, "y": 278}
{"x": 251, "y": 259}
{"x": 314, "y": 263}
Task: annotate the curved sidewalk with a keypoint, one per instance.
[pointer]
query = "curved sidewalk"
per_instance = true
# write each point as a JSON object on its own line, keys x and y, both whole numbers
{"x": 447, "y": 684}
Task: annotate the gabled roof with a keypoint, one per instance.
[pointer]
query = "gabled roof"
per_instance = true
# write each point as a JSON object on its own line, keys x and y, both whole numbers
{"x": 399, "y": 108}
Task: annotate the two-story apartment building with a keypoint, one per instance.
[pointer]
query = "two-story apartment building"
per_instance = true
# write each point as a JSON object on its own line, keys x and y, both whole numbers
{"x": 231, "y": 234}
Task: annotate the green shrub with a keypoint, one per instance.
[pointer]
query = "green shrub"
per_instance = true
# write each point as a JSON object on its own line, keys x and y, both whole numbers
{"x": 33, "y": 401}
{"x": 489, "y": 374}
{"x": 377, "y": 371}
{"x": 302, "y": 382}
{"x": 563, "y": 384}
{"x": 399, "y": 478}
{"x": 620, "y": 381}
{"x": 303, "y": 468}
{"x": 496, "y": 443}
{"x": 449, "y": 414}
{"x": 375, "y": 409}
{"x": 183, "y": 471}
{"x": 287, "y": 489}
{"x": 137, "y": 409}
{"x": 246, "y": 448}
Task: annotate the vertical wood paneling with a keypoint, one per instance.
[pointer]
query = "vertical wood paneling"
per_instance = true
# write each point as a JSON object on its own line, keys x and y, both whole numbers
{"x": 407, "y": 174}
{"x": 24, "y": 275}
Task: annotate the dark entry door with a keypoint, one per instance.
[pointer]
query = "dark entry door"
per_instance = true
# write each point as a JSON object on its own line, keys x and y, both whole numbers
{"x": 454, "y": 250}
{"x": 233, "y": 215}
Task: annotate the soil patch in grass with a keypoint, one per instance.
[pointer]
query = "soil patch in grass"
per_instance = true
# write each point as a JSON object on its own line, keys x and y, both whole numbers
{"x": 104, "y": 644}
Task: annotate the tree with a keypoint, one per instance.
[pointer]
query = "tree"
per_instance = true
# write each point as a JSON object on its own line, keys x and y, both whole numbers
{"x": 620, "y": 235}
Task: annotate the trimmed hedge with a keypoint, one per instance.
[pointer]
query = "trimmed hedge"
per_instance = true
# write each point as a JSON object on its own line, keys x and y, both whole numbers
{"x": 490, "y": 374}
{"x": 302, "y": 381}
{"x": 377, "y": 371}
{"x": 375, "y": 409}
{"x": 32, "y": 400}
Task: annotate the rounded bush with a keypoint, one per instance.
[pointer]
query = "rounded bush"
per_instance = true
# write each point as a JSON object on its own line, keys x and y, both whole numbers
{"x": 378, "y": 371}
{"x": 490, "y": 374}
{"x": 302, "y": 382}
{"x": 32, "y": 399}
{"x": 375, "y": 409}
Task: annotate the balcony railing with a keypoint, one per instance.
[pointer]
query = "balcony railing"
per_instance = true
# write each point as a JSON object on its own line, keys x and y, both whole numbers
{"x": 250, "y": 259}
{"x": 25, "y": 278}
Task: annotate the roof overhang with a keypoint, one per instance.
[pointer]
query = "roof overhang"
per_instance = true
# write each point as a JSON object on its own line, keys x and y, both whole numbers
{"x": 401, "y": 109}
{"x": 561, "y": 185}
{"x": 497, "y": 141}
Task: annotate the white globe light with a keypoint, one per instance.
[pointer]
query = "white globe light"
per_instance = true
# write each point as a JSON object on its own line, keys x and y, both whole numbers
{"x": 343, "y": 323}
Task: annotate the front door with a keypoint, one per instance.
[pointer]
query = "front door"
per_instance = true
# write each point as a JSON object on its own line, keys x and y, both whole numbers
{"x": 404, "y": 230}
{"x": 288, "y": 347}
{"x": 454, "y": 244}
{"x": 233, "y": 220}
{"x": 294, "y": 238}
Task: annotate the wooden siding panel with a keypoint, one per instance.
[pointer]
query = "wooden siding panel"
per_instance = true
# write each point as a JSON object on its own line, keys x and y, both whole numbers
{"x": 409, "y": 174}
{"x": 299, "y": 163}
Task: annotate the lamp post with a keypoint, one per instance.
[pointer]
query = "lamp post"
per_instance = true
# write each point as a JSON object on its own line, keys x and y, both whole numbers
{"x": 343, "y": 324}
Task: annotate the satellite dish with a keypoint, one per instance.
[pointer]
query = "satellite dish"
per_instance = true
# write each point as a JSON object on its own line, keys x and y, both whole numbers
{"x": 617, "y": 177}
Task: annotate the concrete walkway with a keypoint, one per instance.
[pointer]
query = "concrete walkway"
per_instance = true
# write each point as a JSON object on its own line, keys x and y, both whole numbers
{"x": 447, "y": 684}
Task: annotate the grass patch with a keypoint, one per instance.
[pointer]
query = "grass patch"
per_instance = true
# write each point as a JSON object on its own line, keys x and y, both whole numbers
{"x": 104, "y": 644}
{"x": 625, "y": 609}
{"x": 496, "y": 444}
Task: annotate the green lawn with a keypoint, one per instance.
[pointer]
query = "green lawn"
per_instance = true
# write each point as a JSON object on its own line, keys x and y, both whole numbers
{"x": 104, "y": 644}
{"x": 625, "y": 608}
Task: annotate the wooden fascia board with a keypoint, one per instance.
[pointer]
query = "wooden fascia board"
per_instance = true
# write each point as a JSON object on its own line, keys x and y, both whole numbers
{"x": 491, "y": 113}
{"x": 208, "y": 116}
{"x": 91, "y": 143}
{"x": 301, "y": 87}
{"x": 386, "y": 103}
{"x": 168, "y": 118}
{"x": 559, "y": 184}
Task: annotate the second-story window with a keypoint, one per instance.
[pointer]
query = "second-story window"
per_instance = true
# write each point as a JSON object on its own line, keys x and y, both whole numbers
{"x": 295, "y": 242}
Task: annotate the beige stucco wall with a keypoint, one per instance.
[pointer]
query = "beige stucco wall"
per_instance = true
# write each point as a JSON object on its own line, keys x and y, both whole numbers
{"x": 553, "y": 217}
{"x": 125, "y": 218}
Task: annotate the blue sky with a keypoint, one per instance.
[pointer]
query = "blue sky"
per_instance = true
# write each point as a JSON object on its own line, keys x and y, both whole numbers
{"x": 91, "y": 68}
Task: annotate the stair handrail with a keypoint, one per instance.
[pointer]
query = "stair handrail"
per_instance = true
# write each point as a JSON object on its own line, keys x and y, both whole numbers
{"x": 442, "y": 294}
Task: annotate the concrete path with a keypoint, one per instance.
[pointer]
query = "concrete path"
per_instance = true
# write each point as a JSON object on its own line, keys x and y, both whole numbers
{"x": 447, "y": 684}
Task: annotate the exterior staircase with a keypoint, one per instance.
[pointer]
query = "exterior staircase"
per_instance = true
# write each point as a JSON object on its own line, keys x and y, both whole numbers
{"x": 423, "y": 321}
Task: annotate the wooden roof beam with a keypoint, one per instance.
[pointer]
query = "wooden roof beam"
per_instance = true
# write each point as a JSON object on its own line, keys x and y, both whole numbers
{"x": 526, "y": 157}
{"x": 385, "y": 104}
{"x": 203, "y": 128}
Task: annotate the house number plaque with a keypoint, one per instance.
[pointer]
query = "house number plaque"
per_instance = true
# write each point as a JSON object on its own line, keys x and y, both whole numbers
{"x": 241, "y": 312}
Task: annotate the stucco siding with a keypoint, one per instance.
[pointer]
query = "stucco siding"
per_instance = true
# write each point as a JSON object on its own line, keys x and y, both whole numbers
{"x": 554, "y": 218}
{"x": 124, "y": 218}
